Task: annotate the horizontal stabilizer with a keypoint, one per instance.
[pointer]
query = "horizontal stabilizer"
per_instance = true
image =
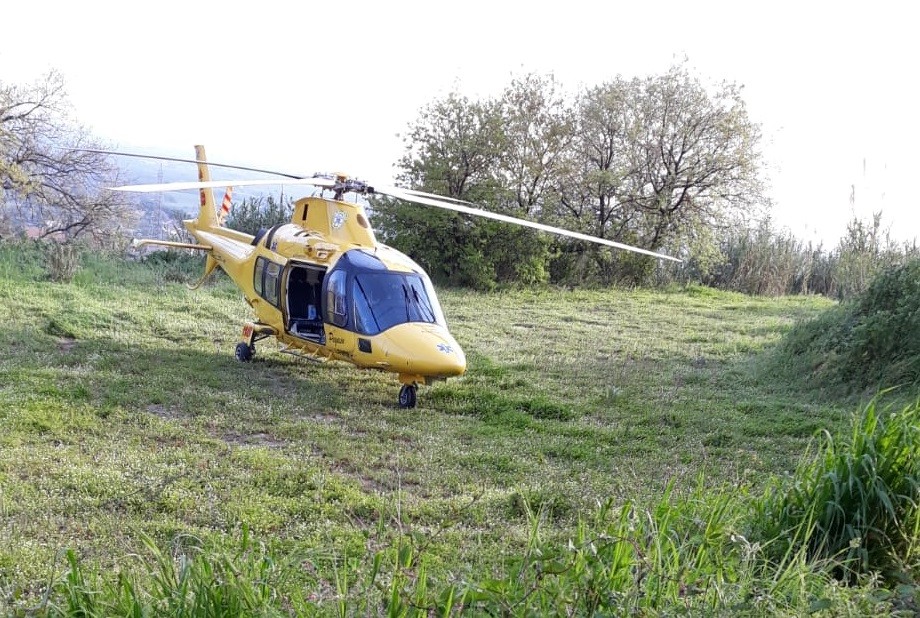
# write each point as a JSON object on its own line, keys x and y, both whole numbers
{"x": 169, "y": 243}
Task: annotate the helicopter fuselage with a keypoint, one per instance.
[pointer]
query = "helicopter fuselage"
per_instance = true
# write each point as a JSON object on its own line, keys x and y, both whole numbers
{"x": 324, "y": 287}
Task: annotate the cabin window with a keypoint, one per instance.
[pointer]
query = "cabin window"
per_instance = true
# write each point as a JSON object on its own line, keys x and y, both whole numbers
{"x": 267, "y": 280}
{"x": 335, "y": 299}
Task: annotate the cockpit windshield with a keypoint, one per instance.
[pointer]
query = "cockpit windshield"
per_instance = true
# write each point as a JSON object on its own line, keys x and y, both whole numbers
{"x": 366, "y": 296}
{"x": 384, "y": 299}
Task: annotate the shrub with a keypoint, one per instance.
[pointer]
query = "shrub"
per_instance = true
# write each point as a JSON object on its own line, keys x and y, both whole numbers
{"x": 255, "y": 213}
{"x": 63, "y": 261}
{"x": 871, "y": 342}
{"x": 174, "y": 266}
{"x": 885, "y": 342}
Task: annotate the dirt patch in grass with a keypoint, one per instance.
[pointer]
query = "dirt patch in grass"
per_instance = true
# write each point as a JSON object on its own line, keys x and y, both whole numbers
{"x": 252, "y": 440}
{"x": 66, "y": 344}
{"x": 164, "y": 412}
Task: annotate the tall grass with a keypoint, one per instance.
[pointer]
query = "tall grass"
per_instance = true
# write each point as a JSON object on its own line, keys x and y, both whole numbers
{"x": 854, "y": 503}
{"x": 771, "y": 262}
{"x": 192, "y": 580}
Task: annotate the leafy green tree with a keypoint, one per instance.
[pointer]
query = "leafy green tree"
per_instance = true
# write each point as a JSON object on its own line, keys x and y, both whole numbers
{"x": 659, "y": 160}
{"x": 455, "y": 149}
{"x": 44, "y": 178}
{"x": 697, "y": 158}
{"x": 256, "y": 213}
{"x": 538, "y": 127}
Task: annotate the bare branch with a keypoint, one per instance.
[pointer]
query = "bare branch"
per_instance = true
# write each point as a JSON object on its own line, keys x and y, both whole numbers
{"x": 43, "y": 180}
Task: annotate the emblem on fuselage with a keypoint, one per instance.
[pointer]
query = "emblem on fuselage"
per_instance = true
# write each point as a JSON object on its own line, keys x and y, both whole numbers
{"x": 338, "y": 219}
{"x": 443, "y": 347}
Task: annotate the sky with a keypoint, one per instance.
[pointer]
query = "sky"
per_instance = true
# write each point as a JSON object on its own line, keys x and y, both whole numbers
{"x": 331, "y": 86}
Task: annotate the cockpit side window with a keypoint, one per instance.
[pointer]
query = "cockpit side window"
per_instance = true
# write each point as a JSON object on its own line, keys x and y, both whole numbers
{"x": 336, "y": 304}
{"x": 258, "y": 274}
{"x": 266, "y": 280}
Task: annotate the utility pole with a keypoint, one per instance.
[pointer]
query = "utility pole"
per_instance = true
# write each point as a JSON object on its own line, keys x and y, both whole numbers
{"x": 158, "y": 211}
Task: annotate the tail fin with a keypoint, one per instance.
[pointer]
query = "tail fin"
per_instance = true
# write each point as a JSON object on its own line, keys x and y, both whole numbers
{"x": 207, "y": 216}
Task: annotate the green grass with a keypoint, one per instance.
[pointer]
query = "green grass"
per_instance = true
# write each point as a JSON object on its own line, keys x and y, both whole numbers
{"x": 129, "y": 435}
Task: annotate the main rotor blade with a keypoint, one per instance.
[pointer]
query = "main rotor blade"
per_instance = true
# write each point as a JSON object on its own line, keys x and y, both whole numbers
{"x": 181, "y": 160}
{"x": 420, "y": 198}
{"x": 434, "y": 196}
{"x": 213, "y": 184}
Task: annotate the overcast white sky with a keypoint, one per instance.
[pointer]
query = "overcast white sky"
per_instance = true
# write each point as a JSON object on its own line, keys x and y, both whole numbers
{"x": 324, "y": 86}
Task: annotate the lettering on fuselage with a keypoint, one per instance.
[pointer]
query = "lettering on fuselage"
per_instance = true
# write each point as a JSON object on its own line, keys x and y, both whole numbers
{"x": 338, "y": 340}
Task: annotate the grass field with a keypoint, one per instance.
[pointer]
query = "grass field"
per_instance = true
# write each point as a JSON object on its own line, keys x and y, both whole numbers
{"x": 126, "y": 425}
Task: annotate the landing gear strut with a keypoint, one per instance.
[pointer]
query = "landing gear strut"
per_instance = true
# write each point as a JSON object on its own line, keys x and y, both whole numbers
{"x": 407, "y": 396}
{"x": 252, "y": 332}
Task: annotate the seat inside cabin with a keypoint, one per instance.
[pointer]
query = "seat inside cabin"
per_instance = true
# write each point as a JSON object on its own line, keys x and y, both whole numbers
{"x": 304, "y": 292}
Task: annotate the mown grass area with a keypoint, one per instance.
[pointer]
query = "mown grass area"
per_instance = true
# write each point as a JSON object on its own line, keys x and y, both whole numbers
{"x": 128, "y": 429}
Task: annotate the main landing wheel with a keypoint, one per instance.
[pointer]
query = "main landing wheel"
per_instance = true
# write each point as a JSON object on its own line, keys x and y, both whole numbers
{"x": 244, "y": 352}
{"x": 407, "y": 396}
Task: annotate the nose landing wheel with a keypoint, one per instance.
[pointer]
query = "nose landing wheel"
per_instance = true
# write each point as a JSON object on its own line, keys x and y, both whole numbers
{"x": 407, "y": 396}
{"x": 244, "y": 352}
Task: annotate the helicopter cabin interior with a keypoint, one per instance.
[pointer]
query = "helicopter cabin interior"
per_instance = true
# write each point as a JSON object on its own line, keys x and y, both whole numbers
{"x": 304, "y": 306}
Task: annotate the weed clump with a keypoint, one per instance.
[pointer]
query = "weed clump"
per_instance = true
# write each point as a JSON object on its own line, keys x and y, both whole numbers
{"x": 63, "y": 262}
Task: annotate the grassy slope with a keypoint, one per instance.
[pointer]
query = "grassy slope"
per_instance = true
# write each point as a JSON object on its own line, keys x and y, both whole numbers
{"x": 122, "y": 412}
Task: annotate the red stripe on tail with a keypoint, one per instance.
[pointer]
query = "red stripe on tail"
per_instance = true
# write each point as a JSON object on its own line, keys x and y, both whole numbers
{"x": 225, "y": 206}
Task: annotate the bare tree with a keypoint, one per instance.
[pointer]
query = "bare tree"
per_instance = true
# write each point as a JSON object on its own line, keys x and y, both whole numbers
{"x": 44, "y": 177}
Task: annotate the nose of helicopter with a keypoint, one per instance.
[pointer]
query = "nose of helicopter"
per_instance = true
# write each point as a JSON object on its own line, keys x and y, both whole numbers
{"x": 424, "y": 350}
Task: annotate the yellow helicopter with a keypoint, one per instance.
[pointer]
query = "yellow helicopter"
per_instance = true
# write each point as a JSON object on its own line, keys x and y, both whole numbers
{"x": 324, "y": 287}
